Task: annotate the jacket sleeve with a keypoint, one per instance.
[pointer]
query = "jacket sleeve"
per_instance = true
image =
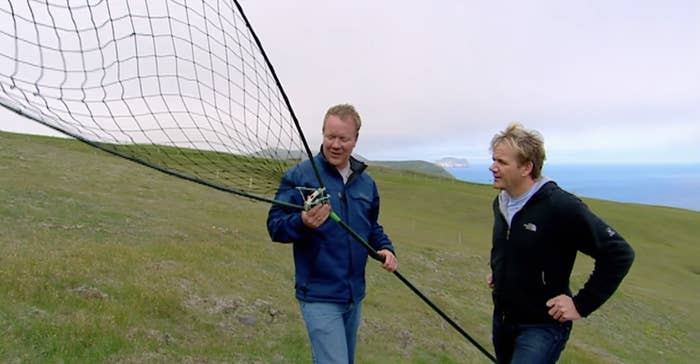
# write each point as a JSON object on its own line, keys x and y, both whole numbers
{"x": 378, "y": 239}
{"x": 612, "y": 254}
{"x": 284, "y": 223}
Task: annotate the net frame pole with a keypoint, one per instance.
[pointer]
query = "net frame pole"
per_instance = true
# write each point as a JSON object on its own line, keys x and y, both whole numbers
{"x": 217, "y": 186}
{"x": 413, "y": 288}
{"x": 309, "y": 154}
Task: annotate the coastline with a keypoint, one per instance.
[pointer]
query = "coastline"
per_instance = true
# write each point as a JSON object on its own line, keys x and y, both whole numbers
{"x": 670, "y": 185}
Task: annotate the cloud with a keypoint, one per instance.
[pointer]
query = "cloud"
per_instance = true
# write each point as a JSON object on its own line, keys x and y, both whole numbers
{"x": 434, "y": 80}
{"x": 601, "y": 80}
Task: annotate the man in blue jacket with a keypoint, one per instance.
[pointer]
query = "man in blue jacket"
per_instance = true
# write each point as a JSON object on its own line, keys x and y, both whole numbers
{"x": 329, "y": 264}
{"x": 538, "y": 230}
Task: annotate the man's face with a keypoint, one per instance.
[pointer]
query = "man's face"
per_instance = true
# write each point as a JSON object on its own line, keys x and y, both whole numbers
{"x": 508, "y": 174}
{"x": 339, "y": 138}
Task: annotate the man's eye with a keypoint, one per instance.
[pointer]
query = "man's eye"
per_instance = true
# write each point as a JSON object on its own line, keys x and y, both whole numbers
{"x": 341, "y": 139}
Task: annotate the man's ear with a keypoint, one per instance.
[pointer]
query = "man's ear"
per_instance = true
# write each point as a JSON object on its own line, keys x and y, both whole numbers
{"x": 526, "y": 169}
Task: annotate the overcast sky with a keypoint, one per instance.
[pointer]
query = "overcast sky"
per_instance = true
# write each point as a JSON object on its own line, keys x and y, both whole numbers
{"x": 603, "y": 81}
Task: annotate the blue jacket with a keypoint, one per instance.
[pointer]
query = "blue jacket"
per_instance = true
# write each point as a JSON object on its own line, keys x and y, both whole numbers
{"x": 329, "y": 263}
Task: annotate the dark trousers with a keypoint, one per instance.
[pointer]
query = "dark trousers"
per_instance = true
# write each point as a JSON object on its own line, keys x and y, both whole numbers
{"x": 517, "y": 343}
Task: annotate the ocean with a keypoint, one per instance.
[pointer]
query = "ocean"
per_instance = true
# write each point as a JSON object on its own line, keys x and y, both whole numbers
{"x": 673, "y": 185}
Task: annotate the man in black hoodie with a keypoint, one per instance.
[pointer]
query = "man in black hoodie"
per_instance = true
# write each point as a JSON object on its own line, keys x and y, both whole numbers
{"x": 538, "y": 230}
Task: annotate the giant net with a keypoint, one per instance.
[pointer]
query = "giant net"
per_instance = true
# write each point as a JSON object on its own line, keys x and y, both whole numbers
{"x": 180, "y": 86}
{"x": 177, "y": 85}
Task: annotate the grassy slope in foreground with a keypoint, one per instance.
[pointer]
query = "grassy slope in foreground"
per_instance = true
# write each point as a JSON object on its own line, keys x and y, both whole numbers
{"x": 107, "y": 261}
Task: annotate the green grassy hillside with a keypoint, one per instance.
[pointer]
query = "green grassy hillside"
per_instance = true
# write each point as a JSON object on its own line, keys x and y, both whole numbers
{"x": 421, "y": 167}
{"x": 103, "y": 260}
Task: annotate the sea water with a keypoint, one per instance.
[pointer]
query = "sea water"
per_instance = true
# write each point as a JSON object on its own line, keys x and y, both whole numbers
{"x": 673, "y": 185}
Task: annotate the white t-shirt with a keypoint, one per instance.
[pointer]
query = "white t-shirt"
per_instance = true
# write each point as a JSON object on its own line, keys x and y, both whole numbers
{"x": 512, "y": 205}
{"x": 345, "y": 173}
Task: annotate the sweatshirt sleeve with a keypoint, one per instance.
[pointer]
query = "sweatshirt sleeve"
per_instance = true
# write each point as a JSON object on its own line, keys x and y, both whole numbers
{"x": 612, "y": 254}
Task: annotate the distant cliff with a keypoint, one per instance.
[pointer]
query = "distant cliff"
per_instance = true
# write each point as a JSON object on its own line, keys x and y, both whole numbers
{"x": 450, "y": 162}
{"x": 415, "y": 166}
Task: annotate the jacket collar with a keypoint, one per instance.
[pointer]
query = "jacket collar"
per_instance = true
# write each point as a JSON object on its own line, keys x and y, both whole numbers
{"x": 356, "y": 165}
{"x": 537, "y": 191}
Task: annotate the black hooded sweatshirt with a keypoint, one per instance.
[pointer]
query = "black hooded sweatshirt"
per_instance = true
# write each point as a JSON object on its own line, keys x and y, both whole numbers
{"x": 532, "y": 259}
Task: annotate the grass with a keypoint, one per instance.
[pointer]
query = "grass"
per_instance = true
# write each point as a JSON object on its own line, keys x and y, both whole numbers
{"x": 104, "y": 260}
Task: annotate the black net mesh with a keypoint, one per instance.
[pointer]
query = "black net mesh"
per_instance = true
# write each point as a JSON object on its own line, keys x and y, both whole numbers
{"x": 177, "y": 85}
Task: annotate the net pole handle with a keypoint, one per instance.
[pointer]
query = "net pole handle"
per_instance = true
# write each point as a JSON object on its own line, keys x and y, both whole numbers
{"x": 373, "y": 253}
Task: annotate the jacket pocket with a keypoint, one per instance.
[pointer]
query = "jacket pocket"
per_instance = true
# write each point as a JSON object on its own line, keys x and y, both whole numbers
{"x": 361, "y": 201}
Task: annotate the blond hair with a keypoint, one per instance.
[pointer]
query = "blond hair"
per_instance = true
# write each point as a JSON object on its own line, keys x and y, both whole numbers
{"x": 527, "y": 144}
{"x": 344, "y": 111}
